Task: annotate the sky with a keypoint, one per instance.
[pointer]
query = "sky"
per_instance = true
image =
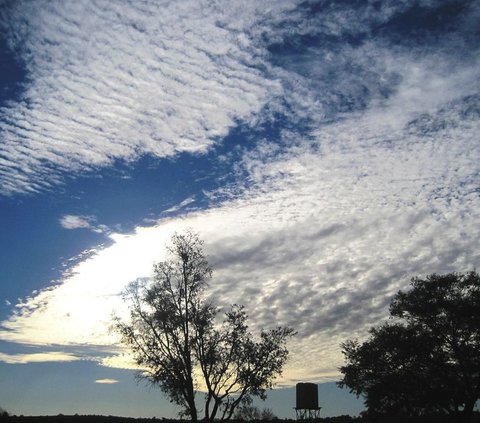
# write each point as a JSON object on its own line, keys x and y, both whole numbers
{"x": 325, "y": 151}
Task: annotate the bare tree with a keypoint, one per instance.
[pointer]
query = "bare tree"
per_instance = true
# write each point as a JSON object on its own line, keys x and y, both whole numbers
{"x": 175, "y": 337}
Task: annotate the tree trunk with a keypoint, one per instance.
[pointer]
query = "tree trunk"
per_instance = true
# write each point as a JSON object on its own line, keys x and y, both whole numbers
{"x": 467, "y": 412}
{"x": 193, "y": 414}
{"x": 192, "y": 407}
{"x": 187, "y": 345}
{"x": 465, "y": 415}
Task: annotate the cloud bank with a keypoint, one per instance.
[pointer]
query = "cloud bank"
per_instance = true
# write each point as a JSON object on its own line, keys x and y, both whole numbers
{"x": 366, "y": 175}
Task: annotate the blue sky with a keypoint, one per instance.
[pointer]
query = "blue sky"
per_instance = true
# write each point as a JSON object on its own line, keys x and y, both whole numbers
{"x": 325, "y": 151}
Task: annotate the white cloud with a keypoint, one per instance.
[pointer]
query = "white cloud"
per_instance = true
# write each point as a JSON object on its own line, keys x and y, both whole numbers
{"x": 70, "y": 221}
{"x": 120, "y": 359}
{"x": 323, "y": 239}
{"x": 109, "y": 82}
{"x": 37, "y": 357}
{"x": 180, "y": 206}
{"x": 106, "y": 381}
{"x": 114, "y": 81}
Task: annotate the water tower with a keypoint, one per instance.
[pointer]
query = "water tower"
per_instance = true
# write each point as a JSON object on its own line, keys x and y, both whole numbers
{"x": 307, "y": 402}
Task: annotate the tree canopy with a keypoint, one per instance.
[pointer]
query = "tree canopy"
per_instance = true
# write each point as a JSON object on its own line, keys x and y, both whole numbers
{"x": 176, "y": 336}
{"x": 427, "y": 358}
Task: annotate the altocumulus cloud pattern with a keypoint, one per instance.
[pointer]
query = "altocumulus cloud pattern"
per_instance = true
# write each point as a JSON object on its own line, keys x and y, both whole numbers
{"x": 356, "y": 167}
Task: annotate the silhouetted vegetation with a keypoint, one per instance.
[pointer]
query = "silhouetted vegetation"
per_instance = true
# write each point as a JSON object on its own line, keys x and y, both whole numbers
{"x": 426, "y": 361}
{"x": 250, "y": 412}
{"x": 174, "y": 335}
{"x": 84, "y": 419}
{"x": 338, "y": 419}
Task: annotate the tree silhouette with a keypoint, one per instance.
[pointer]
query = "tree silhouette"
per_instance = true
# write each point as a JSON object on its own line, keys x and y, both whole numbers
{"x": 250, "y": 412}
{"x": 428, "y": 359}
{"x": 175, "y": 336}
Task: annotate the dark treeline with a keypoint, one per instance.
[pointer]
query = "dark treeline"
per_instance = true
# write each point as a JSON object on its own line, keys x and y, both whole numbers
{"x": 81, "y": 419}
{"x": 338, "y": 419}
{"x": 434, "y": 418}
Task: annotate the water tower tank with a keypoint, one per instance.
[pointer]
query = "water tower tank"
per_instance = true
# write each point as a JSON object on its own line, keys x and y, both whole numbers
{"x": 307, "y": 396}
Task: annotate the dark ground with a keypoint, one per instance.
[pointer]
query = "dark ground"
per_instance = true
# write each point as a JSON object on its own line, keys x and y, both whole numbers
{"x": 111, "y": 419}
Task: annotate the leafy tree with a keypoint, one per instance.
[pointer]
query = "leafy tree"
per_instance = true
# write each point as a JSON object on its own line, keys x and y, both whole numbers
{"x": 427, "y": 360}
{"x": 175, "y": 336}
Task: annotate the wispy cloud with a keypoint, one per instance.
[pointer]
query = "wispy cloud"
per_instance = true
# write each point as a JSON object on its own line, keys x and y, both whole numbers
{"x": 37, "y": 357}
{"x": 180, "y": 206}
{"x": 70, "y": 221}
{"x": 106, "y": 381}
{"x": 109, "y": 82}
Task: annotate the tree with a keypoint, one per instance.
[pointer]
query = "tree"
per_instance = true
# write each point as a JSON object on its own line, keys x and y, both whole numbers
{"x": 428, "y": 359}
{"x": 175, "y": 336}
